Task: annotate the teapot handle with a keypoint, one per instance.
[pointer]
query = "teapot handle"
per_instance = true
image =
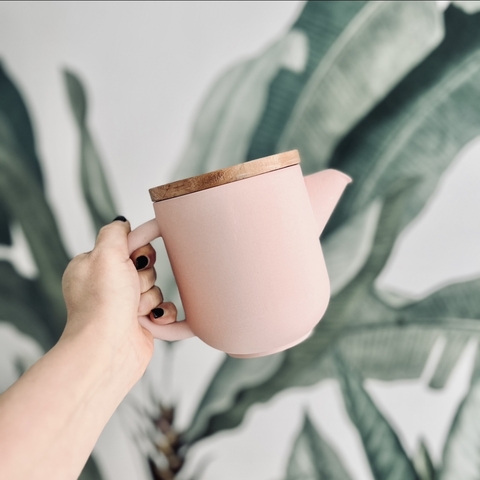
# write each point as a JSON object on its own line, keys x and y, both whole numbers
{"x": 137, "y": 238}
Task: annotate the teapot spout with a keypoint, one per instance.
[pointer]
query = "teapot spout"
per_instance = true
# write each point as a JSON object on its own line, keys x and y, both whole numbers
{"x": 325, "y": 189}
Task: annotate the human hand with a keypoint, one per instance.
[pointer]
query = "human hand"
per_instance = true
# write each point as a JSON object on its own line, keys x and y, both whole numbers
{"x": 105, "y": 293}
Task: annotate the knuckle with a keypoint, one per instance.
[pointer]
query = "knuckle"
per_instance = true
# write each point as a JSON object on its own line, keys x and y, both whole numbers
{"x": 147, "y": 280}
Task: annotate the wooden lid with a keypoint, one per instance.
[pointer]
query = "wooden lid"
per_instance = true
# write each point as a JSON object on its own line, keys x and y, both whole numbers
{"x": 224, "y": 176}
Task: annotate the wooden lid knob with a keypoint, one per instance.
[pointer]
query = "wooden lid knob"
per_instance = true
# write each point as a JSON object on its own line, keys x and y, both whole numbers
{"x": 224, "y": 176}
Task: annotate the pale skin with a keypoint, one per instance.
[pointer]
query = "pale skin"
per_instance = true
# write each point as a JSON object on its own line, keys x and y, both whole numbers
{"x": 51, "y": 418}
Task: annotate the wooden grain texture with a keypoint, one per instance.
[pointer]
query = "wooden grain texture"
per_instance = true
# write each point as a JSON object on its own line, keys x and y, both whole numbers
{"x": 224, "y": 176}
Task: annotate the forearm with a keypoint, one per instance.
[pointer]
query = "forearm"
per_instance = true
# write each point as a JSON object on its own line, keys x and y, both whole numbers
{"x": 52, "y": 416}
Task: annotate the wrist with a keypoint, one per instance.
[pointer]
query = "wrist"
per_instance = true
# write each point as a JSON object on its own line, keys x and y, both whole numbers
{"x": 108, "y": 363}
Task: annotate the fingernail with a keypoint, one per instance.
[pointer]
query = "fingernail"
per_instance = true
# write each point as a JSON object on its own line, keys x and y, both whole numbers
{"x": 121, "y": 218}
{"x": 158, "y": 312}
{"x": 141, "y": 262}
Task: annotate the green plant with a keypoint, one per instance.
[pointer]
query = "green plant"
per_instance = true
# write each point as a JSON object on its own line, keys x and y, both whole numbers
{"x": 384, "y": 91}
{"x": 36, "y": 307}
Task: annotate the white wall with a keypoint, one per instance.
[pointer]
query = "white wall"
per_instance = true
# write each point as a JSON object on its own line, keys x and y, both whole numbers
{"x": 146, "y": 66}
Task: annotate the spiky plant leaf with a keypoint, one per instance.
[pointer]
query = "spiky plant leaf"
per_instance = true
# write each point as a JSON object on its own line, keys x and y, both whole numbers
{"x": 312, "y": 458}
{"x": 94, "y": 182}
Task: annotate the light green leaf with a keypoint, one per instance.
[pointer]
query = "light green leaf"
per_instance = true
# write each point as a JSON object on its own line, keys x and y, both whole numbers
{"x": 221, "y": 395}
{"x": 461, "y": 452}
{"x": 15, "y": 112}
{"x": 312, "y": 458}
{"x": 401, "y": 349}
{"x": 347, "y": 248}
{"x": 94, "y": 182}
{"x": 423, "y": 463}
{"x": 419, "y": 127}
{"x": 382, "y": 43}
{"x": 24, "y": 201}
{"x": 459, "y": 300}
{"x": 387, "y": 458}
{"x": 322, "y": 23}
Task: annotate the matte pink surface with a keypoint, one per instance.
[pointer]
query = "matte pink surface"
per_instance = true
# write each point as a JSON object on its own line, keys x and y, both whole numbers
{"x": 247, "y": 259}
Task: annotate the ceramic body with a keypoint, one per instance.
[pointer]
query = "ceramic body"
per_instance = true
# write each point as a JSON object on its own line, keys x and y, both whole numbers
{"x": 247, "y": 260}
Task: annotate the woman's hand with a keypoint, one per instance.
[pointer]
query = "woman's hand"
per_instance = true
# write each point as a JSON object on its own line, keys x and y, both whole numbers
{"x": 106, "y": 290}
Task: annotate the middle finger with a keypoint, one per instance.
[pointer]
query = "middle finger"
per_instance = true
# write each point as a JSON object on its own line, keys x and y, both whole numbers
{"x": 147, "y": 279}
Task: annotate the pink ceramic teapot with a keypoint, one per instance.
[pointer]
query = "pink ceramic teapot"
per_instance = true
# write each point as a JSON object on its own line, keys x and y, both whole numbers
{"x": 244, "y": 247}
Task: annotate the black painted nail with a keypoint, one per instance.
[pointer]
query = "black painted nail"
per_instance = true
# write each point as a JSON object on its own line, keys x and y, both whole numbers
{"x": 141, "y": 262}
{"x": 158, "y": 312}
{"x": 121, "y": 218}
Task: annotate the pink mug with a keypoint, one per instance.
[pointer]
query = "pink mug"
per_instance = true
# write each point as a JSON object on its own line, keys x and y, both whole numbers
{"x": 243, "y": 243}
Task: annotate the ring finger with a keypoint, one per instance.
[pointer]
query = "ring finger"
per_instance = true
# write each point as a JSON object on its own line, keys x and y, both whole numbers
{"x": 149, "y": 300}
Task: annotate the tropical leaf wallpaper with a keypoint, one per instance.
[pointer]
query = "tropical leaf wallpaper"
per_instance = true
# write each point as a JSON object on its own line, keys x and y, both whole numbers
{"x": 388, "y": 92}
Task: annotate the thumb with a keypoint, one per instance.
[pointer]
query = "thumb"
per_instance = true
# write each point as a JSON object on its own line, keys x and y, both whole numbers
{"x": 114, "y": 235}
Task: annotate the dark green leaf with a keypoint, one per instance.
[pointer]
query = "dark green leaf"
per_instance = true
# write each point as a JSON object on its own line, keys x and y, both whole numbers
{"x": 322, "y": 23}
{"x": 373, "y": 49}
{"x": 312, "y": 458}
{"x": 24, "y": 200}
{"x": 419, "y": 127}
{"x": 90, "y": 471}
{"x": 94, "y": 181}
{"x": 387, "y": 457}
{"x": 14, "y": 110}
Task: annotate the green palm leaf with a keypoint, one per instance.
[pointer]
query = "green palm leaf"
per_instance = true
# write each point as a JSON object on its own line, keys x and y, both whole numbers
{"x": 312, "y": 458}
{"x": 14, "y": 111}
{"x": 94, "y": 182}
{"x": 24, "y": 201}
{"x": 419, "y": 127}
{"x": 461, "y": 453}
{"x": 387, "y": 457}
{"x": 377, "y": 47}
